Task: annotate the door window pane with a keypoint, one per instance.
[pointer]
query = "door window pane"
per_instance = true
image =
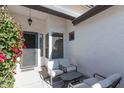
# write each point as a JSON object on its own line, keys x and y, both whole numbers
{"x": 41, "y": 45}
{"x": 47, "y": 45}
{"x": 57, "y": 45}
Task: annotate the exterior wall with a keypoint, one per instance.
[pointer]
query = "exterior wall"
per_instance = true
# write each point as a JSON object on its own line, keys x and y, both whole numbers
{"x": 99, "y": 43}
{"x": 70, "y": 44}
{"x": 38, "y": 25}
{"x": 57, "y": 24}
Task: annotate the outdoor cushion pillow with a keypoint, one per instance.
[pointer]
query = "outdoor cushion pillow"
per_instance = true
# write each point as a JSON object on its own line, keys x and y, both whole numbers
{"x": 56, "y": 72}
{"x": 114, "y": 77}
{"x": 71, "y": 68}
{"x": 81, "y": 85}
{"x": 102, "y": 84}
{"x": 65, "y": 63}
{"x": 53, "y": 65}
{"x": 90, "y": 81}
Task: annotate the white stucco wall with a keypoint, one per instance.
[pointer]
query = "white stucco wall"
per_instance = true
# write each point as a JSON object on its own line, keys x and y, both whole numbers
{"x": 38, "y": 25}
{"x": 57, "y": 24}
{"x": 99, "y": 43}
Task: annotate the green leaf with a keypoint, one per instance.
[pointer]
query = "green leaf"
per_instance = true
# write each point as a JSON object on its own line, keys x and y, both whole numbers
{"x": 1, "y": 47}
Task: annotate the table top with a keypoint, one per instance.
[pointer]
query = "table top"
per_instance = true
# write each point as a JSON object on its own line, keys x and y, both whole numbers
{"x": 71, "y": 75}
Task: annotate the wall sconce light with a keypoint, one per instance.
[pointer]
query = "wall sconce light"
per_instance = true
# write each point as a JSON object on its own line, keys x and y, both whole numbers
{"x": 29, "y": 19}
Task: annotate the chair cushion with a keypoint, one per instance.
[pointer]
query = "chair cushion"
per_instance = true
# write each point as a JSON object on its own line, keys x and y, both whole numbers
{"x": 56, "y": 72}
{"x": 65, "y": 63}
{"x": 53, "y": 65}
{"x": 71, "y": 68}
{"x": 90, "y": 81}
{"x": 81, "y": 85}
{"x": 114, "y": 77}
{"x": 102, "y": 84}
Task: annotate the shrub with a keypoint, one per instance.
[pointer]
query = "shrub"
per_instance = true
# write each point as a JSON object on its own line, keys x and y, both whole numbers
{"x": 11, "y": 48}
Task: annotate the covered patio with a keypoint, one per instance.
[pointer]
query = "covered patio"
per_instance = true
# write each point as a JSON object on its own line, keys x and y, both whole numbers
{"x": 86, "y": 39}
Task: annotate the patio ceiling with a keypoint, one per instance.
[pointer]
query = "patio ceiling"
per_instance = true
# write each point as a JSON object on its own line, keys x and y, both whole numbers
{"x": 65, "y": 11}
{"x": 49, "y": 11}
{"x": 76, "y": 13}
{"x": 72, "y": 10}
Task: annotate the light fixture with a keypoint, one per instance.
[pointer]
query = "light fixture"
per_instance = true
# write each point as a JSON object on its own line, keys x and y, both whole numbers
{"x": 29, "y": 19}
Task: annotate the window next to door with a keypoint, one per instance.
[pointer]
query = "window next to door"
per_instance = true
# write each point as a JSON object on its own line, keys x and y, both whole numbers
{"x": 41, "y": 45}
{"x": 57, "y": 45}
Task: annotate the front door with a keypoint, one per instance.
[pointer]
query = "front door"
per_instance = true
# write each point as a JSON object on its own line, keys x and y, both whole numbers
{"x": 30, "y": 52}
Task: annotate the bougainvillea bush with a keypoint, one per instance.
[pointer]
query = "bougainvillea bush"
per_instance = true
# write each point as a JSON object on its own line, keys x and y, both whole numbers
{"x": 11, "y": 48}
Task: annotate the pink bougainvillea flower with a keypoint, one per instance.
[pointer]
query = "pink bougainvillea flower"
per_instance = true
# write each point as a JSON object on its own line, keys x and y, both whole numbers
{"x": 24, "y": 45}
{"x": 19, "y": 54}
{"x": 21, "y": 33}
{"x": 1, "y": 52}
{"x": 15, "y": 49}
{"x": 14, "y": 60}
{"x": 2, "y": 58}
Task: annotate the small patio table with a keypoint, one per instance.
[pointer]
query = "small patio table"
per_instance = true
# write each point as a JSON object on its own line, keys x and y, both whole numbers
{"x": 71, "y": 77}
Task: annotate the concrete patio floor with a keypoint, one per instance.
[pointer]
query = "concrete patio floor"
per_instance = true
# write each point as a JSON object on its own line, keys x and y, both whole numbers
{"x": 30, "y": 79}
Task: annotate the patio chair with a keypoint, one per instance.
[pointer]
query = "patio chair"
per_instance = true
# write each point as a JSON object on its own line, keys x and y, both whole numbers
{"x": 109, "y": 82}
{"x": 54, "y": 69}
{"x": 67, "y": 66}
{"x": 44, "y": 74}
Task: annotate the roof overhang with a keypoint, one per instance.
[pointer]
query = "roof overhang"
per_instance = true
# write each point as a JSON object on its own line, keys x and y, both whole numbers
{"x": 49, "y": 11}
{"x": 92, "y": 12}
{"x": 97, "y": 9}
